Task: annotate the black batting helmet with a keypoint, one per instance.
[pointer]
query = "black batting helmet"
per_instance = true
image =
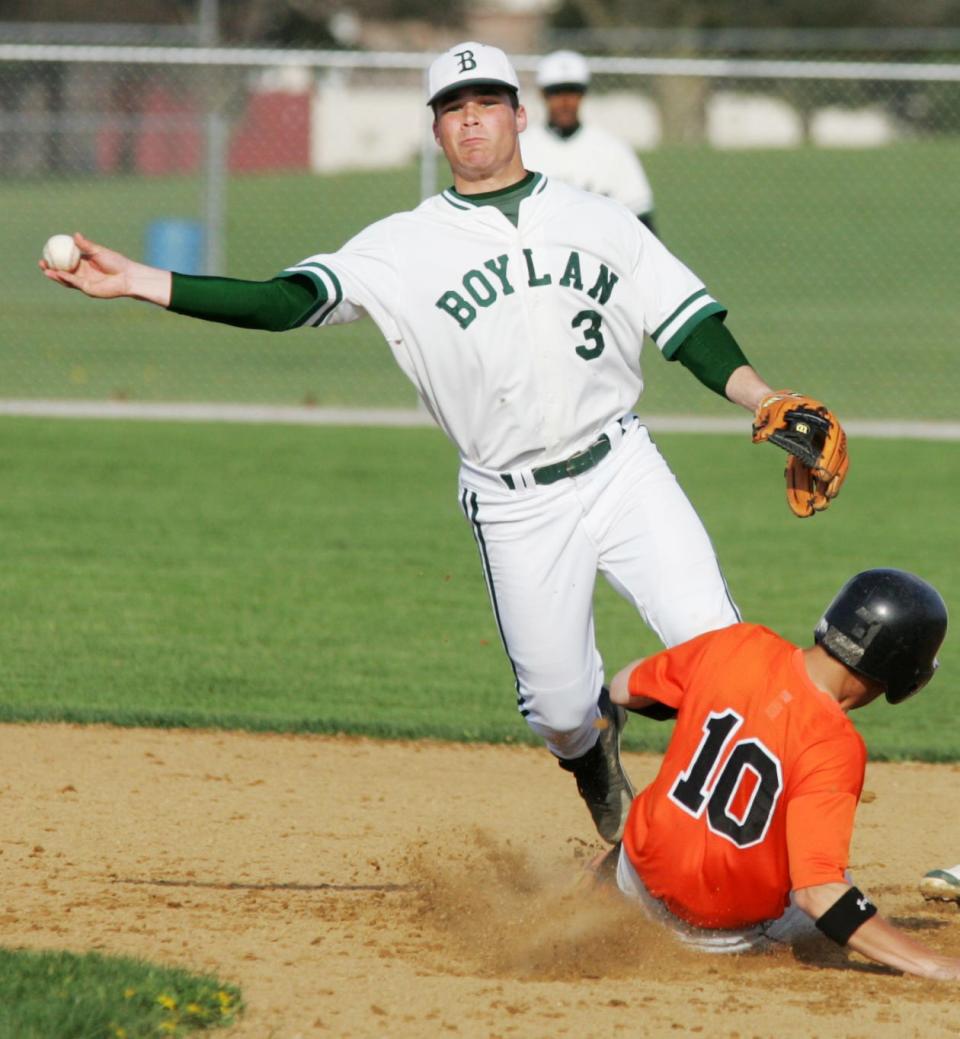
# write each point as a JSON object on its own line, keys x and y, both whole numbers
{"x": 886, "y": 625}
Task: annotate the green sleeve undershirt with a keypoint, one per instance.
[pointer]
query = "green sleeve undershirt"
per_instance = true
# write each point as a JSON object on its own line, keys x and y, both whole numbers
{"x": 274, "y": 306}
{"x": 711, "y": 353}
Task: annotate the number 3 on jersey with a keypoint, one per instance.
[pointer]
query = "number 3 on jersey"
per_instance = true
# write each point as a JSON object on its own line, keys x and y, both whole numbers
{"x": 693, "y": 790}
{"x": 592, "y": 320}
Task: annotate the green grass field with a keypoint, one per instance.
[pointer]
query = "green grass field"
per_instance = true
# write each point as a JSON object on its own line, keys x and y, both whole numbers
{"x": 59, "y": 995}
{"x": 323, "y": 580}
{"x": 837, "y": 267}
{"x": 319, "y": 579}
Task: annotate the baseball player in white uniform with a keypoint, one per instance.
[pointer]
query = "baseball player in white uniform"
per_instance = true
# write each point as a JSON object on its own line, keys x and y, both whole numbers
{"x": 517, "y": 306}
{"x": 588, "y": 157}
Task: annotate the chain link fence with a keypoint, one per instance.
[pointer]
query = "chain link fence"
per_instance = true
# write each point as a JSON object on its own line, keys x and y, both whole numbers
{"x": 818, "y": 200}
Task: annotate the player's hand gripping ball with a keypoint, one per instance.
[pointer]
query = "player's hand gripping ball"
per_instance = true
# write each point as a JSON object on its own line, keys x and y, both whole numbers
{"x": 61, "y": 253}
{"x": 816, "y": 443}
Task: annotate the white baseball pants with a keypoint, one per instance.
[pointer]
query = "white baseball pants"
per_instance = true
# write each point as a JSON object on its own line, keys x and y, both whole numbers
{"x": 541, "y": 548}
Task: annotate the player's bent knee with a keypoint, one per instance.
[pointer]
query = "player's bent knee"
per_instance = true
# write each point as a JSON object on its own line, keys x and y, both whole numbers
{"x": 562, "y": 715}
{"x": 568, "y": 729}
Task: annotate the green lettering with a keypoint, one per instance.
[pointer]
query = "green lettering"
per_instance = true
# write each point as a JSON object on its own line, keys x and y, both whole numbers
{"x": 593, "y": 321}
{"x": 606, "y": 279}
{"x": 571, "y": 274}
{"x": 533, "y": 279}
{"x": 457, "y": 307}
{"x": 499, "y": 267}
{"x": 475, "y": 282}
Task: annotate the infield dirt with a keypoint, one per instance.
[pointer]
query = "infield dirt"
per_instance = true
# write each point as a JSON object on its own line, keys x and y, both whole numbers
{"x": 359, "y": 888}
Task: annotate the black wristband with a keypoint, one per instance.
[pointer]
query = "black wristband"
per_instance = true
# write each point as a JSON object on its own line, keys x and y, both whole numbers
{"x": 850, "y": 911}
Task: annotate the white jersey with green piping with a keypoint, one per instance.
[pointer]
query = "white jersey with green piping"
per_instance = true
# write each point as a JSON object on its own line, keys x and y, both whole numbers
{"x": 592, "y": 159}
{"x": 522, "y": 339}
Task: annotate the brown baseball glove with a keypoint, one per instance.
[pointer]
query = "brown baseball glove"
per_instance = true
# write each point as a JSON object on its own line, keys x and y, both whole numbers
{"x": 817, "y": 445}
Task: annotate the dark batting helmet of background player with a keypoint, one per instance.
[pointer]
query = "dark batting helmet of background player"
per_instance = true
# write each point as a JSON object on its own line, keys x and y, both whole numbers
{"x": 886, "y": 625}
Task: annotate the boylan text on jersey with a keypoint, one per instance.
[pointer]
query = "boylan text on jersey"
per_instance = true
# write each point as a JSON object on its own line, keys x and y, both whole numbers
{"x": 482, "y": 288}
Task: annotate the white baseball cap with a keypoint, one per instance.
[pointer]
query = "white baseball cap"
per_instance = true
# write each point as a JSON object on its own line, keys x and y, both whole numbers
{"x": 563, "y": 68}
{"x": 469, "y": 64}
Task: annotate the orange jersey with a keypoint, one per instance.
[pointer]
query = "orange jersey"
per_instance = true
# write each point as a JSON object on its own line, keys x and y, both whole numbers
{"x": 758, "y": 788}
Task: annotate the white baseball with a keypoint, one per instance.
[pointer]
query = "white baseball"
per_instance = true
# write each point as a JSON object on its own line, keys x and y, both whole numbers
{"x": 61, "y": 252}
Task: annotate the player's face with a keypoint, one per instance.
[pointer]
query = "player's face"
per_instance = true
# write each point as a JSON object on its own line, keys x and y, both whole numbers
{"x": 563, "y": 108}
{"x": 477, "y": 129}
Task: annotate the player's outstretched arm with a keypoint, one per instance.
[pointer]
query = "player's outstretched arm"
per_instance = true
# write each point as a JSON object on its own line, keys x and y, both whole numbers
{"x": 883, "y": 942}
{"x": 800, "y": 425}
{"x": 713, "y": 356}
{"x": 878, "y": 939}
{"x": 620, "y": 688}
{"x": 645, "y": 705}
{"x": 105, "y": 274}
{"x": 275, "y": 306}
{"x": 746, "y": 388}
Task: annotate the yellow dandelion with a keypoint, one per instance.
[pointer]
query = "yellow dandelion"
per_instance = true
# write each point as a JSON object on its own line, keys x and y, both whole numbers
{"x": 225, "y": 998}
{"x": 129, "y": 993}
{"x": 168, "y": 1026}
{"x": 120, "y": 1033}
{"x": 167, "y": 1002}
{"x": 195, "y": 1008}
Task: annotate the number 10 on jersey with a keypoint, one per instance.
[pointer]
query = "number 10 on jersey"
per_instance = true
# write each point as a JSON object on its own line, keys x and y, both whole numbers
{"x": 701, "y": 786}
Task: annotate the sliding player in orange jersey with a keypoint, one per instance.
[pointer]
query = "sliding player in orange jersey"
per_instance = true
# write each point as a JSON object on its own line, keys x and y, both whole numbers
{"x": 743, "y": 837}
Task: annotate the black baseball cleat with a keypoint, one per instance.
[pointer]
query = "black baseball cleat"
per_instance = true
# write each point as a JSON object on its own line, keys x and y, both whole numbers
{"x": 601, "y": 780}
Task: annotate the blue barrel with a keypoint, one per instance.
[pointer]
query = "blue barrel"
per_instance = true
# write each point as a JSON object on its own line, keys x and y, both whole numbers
{"x": 175, "y": 245}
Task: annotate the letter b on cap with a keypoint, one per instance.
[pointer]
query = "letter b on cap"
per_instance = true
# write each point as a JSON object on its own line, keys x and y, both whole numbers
{"x": 467, "y": 61}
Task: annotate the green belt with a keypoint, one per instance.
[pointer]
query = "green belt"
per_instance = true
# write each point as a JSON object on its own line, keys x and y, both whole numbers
{"x": 576, "y": 464}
